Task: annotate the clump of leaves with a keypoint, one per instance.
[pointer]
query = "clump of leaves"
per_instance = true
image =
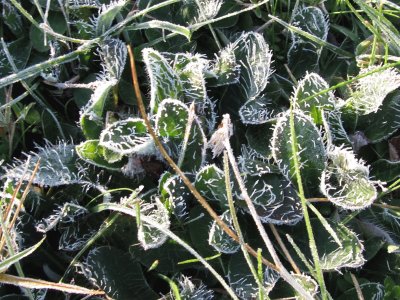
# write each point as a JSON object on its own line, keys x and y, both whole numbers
{"x": 254, "y": 155}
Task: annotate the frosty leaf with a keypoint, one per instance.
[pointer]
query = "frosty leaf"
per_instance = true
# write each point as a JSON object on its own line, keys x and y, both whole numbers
{"x": 304, "y": 55}
{"x": 125, "y": 136}
{"x": 252, "y": 163}
{"x": 92, "y": 152}
{"x": 107, "y": 15}
{"x": 117, "y": 274}
{"x": 334, "y": 128}
{"x": 308, "y": 283}
{"x": 210, "y": 182}
{"x": 148, "y": 236}
{"x": 311, "y": 84}
{"x": 369, "y": 290}
{"x": 219, "y": 239}
{"x": 385, "y": 170}
{"x": 59, "y": 165}
{"x": 190, "y": 69}
{"x": 257, "y": 111}
{"x": 275, "y": 199}
{"x": 255, "y": 58}
{"x": 12, "y": 18}
{"x": 113, "y": 53}
{"x": 225, "y": 67}
{"x": 179, "y": 196}
{"x": 66, "y": 214}
{"x": 345, "y": 181}
{"x": 207, "y": 9}
{"x": 259, "y": 138}
{"x": 243, "y": 282}
{"x": 77, "y": 4}
{"x": 383, "y": 123}
{"x": 331, "y": 255}
{"x": 189, "y": 290}
{"x": 91, "y": 119}
{"x": 310, "y": 149}
{"x": 75, "y": 237}
{"x": 164, "y": 82}
{"x": 370, "y": 91}
{"x": 179, "y": 126}
{"x": 311, "y": 20}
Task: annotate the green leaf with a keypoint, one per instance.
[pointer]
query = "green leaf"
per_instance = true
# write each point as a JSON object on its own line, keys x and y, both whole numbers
{"x": 9, "y": 261}
{"x": 59, "y": 165}
{"x": 179, "y": 196}
{"x": 107, "y": 14}
{"x": 164, "y": 82}
{"x": 126, "y": 136}
{"x": 190, "y": 69}
{"x": 92, "y": 152}
{"x": 275, "y": 199}
{"x": 116, "y": 273}
{"x": 259, "y": 138}
{"x": 210, "y": 182}
{"x": 257, "y": 111}
{"x": 370, "y": 91}
{"x": 392, "y": 290}
{"x": 252, "y": 163}
{"x": 309, "y": 85}
{"x": 225, "y": 69}
{"x": 382, "y": 124}
{"x": 385, "y": 170}
{"x": 12, "y": 18}
{"x": 312, "y": 20}
{"x": 219, "y": 239}
{"x": 243, "y": 282}
{"x": 369, "y": 290}
{"x": 113, "y": 54}
{"x": 345, "y": 181}
{"x": 303, "y": 54}
{"x": 311, "y": 149}
{"x": 20, "y": 51}
{"x": 179, "y": 126}
{"x": 148, "y": 236}
{"x": 334, "y": 128}
{"x": 255, "y": 58}
{"x": 331, "y": 255}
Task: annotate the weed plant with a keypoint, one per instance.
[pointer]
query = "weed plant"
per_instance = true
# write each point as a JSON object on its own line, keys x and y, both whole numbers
{"x": 200, "y": 149}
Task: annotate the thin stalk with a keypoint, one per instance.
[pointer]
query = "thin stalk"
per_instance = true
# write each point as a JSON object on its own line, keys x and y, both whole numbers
{"x": 151, "y": 222}
{"x": 178, "y": 171}
{"x": 258, "y": 279}
{"x": 284, "y": 249}
{"x": 357, "y": 286}
{"x": 312, "y": 244}
{"x": 20, "y": 97}
{"x": 21, "y": 202}
{"x": 281, "y": 269}
{"x": 187, "y": 134}
{"x": 104, "y": 227}
{"x": 26, "y": 14}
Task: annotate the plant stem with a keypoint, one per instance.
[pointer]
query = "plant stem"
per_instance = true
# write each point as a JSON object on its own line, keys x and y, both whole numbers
{"x": 262, "y": 292}
{"x": 312, "y": 244}
{"x": 281, "y": 269}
